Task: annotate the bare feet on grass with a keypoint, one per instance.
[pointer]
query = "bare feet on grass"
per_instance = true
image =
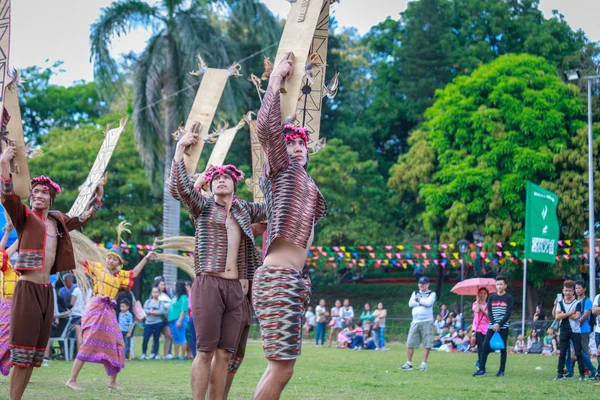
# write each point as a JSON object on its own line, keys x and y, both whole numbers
{"x": 73, "y": 385}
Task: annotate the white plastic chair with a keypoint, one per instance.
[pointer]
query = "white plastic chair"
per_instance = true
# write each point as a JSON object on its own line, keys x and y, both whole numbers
{"x": 67, "y": 342}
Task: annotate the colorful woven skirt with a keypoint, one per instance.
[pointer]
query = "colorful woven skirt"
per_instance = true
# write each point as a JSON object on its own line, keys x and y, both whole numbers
{"x": 4, "y": 335}
{"x": 279, "y": 296}
{"x": 102, "y": 338}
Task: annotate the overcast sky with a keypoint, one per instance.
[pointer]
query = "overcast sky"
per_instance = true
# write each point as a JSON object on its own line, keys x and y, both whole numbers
{"x": 59, "y": 29}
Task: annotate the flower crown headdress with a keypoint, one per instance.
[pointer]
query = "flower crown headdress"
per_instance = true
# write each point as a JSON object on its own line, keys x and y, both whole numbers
{"x": 296, "y": 133}
{"x": 217, "y": 170}
{"x": 44, "y": 180}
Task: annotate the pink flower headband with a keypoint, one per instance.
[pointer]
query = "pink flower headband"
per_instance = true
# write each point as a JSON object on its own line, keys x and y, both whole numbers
{"x": 44, "y": 180}
{"x": 218, "y": 170}
{"x": 297, "y": 133}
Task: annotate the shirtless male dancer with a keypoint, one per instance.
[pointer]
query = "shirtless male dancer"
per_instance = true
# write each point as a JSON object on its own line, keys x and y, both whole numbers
{"x": 281, "y": 291}
{"x": 44, "y": 249}
{"x": 224, "y": 254}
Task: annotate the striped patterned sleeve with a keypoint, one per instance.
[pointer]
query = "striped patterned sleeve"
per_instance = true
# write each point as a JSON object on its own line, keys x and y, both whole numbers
{"x": 258, "y": 212}
{"x": 270, "y": 132}
{"x": 182, "y": 189}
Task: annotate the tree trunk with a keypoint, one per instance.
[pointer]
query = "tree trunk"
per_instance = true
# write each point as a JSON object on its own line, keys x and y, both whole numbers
{"x": 171, "y": 207}
{"x": 171, "y": 219}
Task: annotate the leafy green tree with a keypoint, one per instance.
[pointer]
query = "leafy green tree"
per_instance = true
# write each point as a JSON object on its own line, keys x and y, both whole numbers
{"x": 434, "y": 41}
{"x": 69, "y": 156}
{"x": 342, "y": 116}
{"x": 572, "y": 183}
{"x": 355, "y": 192}
{"x": 484, "y": 136}
{"x": 45, "y": 106}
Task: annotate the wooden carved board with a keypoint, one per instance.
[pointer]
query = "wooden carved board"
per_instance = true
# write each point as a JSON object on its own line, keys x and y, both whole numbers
{"x": 21, "y": 178}
{"x": 4, "y": 50}
{"x": 258, "y": 158}
{"x": 224, "y": 141}
{"x": 88, "y": 189}
{"x": 203, "y": 111}
{"x": 306, "y": 32}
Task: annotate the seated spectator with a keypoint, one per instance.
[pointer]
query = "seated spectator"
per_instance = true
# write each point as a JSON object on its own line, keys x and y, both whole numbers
{"x": 344, "y": 338}
{"x": 437, "y": 340}
{"x": 449, "y": 339}
{"x": 461, "y": 341}
{"x": 520, "y": 347}
{"x": 439, "y": 324}
{"x": 369, "y": 342}
{"x": 444, "y": 312}
{"x": 473, "y": 343}
{"x": 459, "y": 321}
{"x": 358, "y": 341}
{"x": 449, "y": 321}
{"x": 550, "y": 346}
{"x": 534, "y": 344}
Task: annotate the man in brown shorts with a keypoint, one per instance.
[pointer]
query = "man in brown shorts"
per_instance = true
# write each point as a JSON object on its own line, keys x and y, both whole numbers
{"x": 280, "y": 290}
{"x": 44, "y": 249}
{"x": 224, "y": 253}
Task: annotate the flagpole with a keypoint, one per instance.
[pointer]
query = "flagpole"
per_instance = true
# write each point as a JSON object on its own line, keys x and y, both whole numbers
{"x": 524, "y": 297}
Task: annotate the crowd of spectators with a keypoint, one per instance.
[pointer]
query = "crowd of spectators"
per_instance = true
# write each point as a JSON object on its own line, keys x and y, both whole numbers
{"x": 350, "y": 330}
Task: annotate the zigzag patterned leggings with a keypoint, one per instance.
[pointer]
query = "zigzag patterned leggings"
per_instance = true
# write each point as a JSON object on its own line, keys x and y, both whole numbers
{"x": 279, "y": 296}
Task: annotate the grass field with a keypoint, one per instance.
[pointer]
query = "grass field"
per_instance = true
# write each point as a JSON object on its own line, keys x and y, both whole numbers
{"x": 327, "y": 374}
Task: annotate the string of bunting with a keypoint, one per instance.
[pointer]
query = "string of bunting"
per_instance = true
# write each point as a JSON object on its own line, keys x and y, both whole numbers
{"x": 416, "y": 256}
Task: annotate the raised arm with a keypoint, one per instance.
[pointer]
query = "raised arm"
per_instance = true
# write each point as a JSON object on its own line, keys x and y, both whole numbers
{"x": 13, "y": 248}
{"x": 268, "y": 121}
{"x": 138, "y": 268}
{"x": 16, "y": 210}
{"x": 93, "y": 206}
{"x": 180, "y": 186}
{"x": 7, "y": 230}
{"x": 258, "y": 212}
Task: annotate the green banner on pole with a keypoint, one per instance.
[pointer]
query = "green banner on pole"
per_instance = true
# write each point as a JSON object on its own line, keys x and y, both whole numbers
{"x": 541, "y": 224}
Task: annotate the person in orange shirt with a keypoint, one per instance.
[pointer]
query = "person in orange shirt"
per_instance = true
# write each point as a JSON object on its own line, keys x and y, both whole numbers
{"x": 102, "y": 338}
{"x": 8, "y": 281}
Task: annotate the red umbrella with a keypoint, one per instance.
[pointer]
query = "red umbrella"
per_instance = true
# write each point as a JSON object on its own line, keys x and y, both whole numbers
{"x": 470, "y": 287}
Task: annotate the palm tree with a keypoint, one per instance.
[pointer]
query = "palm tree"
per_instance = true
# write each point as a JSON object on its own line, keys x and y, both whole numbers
{"x": 163, "y": 90}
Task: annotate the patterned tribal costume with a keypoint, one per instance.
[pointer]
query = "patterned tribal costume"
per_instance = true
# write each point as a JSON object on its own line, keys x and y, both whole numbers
{"x": 8, "y": 281}
{"x": 29, "y": 336}
{"x": 102, "y": 338}
{"x": 209, "y": 218}
{"x": 217, "y": 301}
{"x": 294, "y": 206}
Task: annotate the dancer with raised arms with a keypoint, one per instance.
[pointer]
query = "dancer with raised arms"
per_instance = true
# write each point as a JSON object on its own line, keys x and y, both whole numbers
{"x": 224, "y": 254}
{"x": 281, "y": 290}
{"x": 44, "y": 248}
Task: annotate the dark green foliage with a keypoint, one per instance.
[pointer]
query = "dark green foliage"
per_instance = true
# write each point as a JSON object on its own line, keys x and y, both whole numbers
{"x": 45, "y": 106}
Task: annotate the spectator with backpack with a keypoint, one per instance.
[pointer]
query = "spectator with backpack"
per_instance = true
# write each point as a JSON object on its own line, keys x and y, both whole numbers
{"x": 587, "y": 323}
{"x": 568, "y": 311}
{"x": 421, "y": 327}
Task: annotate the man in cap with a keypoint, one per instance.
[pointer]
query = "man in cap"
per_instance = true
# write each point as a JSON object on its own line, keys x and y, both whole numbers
{"x": 225, "y": 258}
{"x": 44, "y": 248}
{"x": 421, "y": 327}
